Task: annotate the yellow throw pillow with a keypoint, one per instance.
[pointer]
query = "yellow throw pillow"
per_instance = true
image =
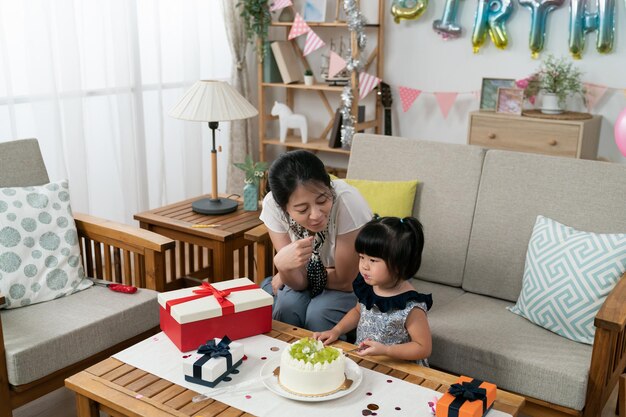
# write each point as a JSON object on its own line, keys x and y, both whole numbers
{"x": 387, "y": 198}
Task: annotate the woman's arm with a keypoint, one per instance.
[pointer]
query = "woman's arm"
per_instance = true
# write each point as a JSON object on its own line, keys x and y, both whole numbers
{"x": 419, "y": 347}
{"x": 346, "y": 263}
{"x": 291, "y": 259}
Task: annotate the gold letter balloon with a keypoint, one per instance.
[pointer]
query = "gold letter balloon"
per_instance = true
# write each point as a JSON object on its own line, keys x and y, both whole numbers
{"x": 447, "y": 26}
{"x": 582, "y": 21}
{"x": 491, "y": 17}
{"x": 539, "y": 10}
{"x": 408, "y": 9}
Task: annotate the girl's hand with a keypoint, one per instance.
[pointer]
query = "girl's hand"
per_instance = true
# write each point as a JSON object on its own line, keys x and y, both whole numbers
{"x": 277, "y": 284}
{"x": 371, "y": 347}
{"x": 295, "y": 255}
{"x": 328, "y": 337}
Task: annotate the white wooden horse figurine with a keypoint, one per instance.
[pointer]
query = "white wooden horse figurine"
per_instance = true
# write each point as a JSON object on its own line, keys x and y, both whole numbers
{"x": 288, "y": 120}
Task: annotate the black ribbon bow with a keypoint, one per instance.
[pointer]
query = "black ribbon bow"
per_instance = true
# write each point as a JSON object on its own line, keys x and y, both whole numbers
{"x": 466, "y": 391}
{"x": 212, "y": 350}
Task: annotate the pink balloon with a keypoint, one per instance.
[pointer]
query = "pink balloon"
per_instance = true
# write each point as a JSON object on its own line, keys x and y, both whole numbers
{"x": 620, "y": 132}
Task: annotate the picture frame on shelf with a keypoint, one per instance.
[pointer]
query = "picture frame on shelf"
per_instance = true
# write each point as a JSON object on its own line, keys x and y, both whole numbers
{"x": 335, "y": 133}
{"x": 489, "y": 91}
{"x": 314, "y": 11}
{"x": 510, "y": 101}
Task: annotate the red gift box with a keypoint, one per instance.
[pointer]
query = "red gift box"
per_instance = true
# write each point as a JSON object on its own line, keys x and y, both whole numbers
{"x": 467, "y": 398}
{"x": 238, "y": 308}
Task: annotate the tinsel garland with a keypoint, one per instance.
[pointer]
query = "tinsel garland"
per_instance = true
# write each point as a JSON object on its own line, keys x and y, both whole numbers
{"x": 356, "y": 24}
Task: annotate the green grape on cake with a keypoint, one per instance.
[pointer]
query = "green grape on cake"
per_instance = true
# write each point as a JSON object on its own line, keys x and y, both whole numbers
{"x": 313, "y": 351}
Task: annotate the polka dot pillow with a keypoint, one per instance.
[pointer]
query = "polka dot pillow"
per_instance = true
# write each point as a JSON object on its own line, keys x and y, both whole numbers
{"x": 39, "y": 249}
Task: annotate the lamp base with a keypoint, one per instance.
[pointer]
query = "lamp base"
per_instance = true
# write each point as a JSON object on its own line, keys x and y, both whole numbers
{"x": 214, "y": 206}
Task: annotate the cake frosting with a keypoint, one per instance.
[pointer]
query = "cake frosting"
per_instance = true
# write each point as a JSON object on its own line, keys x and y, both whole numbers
{"x": 307, "y": 367}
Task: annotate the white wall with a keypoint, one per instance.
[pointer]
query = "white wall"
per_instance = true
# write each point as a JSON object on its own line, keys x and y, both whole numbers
{"x": 417, "y": 57}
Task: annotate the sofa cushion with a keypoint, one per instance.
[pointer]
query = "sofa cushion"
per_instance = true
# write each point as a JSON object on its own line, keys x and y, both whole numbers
{"x": 72, "y": 328}
{"x": 445, "y": 198}
{"x": 387, "y": 198}
{"x": 442, "y": 294}
{"x": 568, "y": 275}
{"x": 515, "y": 188}
{"x": 477, "y": 337}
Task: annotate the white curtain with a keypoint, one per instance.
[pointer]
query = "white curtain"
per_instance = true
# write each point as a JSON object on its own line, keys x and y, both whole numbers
{"x": 94, "y": 80}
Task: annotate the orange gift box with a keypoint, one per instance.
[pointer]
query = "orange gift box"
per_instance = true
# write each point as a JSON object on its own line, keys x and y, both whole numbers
{"x": 467, "y": 398}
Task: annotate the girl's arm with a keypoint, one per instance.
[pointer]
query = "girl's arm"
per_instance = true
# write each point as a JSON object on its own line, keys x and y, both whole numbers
{"x": 290, "y": 260}
{"x": 419, "y": 347}
{"x": 347, "y": 323}
{"x": 346, "y": 263}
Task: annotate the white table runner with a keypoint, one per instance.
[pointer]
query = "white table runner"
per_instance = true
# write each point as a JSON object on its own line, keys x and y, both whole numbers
{"x": 394, "y": 397}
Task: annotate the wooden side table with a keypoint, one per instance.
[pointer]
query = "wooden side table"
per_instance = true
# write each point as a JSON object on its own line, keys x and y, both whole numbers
{"x": 203, "y": 252}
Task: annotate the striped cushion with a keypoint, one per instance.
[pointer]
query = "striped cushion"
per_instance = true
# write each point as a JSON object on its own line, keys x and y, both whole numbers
{"x": 567, "y": 277}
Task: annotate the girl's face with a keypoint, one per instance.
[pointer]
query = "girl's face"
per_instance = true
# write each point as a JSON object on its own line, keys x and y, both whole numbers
{"x": 309, "y": 205}
{"x": 375, "y": 271}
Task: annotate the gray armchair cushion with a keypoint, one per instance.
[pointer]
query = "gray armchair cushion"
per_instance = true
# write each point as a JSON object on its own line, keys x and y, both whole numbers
{"x": 21, "y": 164}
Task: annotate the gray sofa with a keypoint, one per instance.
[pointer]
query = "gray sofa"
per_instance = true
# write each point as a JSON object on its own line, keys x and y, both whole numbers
{"x": 478, "y": 208}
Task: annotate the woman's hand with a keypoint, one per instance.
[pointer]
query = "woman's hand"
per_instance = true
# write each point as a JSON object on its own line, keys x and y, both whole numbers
{"x": 277, "y": 284}
{"x": 294, "y": 255}
{"x": 371, "y": 347}
{"x": 328, "y": 337}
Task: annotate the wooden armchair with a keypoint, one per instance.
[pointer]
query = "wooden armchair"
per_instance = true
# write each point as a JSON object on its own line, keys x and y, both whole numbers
{"x": 101, "y": 322}
{"x": 264, "y": 252}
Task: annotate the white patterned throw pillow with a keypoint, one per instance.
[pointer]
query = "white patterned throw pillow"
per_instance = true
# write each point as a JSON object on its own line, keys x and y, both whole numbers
{"x": 567, "y": 277}
{"x": 39, "y": 248}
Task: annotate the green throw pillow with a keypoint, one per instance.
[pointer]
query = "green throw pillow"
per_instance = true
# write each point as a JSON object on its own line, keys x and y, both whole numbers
{"x": 39, "y": 248}
{"x": 567, "y": 277}
{"x": 387, "y": 198}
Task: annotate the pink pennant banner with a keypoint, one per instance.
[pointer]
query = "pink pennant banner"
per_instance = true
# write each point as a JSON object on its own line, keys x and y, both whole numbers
{"x": 367, "y": 83}
{"x": 408, "y": 96}
{"x": 298, "y": 28}
{"x": 593, "y": 94}
{"x": 336, "y": 64}
{"x": 445, "y": 101}
{"x": 312, "y": 43}
{"x": 280, "y": 4}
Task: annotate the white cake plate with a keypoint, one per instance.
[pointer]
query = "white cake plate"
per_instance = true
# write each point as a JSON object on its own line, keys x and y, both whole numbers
{"x": 353, "y": 372}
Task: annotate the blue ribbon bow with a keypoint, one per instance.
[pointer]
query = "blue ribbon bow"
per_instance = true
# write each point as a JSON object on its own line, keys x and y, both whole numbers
{"x": 211, "y": 350}
{"x": 466, "y": 391}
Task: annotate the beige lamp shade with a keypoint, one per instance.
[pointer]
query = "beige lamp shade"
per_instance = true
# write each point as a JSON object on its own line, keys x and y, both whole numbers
{"x": 212, "y": 101}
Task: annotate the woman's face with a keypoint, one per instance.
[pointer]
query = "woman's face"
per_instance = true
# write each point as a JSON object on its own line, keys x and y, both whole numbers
{"x": 309, "y": 205}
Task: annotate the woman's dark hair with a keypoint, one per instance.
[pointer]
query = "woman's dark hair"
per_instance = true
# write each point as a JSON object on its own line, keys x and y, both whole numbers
{"x": 292, "y": 169}
{"x": 398, "y": 242}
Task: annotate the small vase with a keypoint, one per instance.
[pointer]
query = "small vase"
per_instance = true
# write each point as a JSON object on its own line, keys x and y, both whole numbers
{"x": 308, "y": 80}
{"x": 250, "y": 197}
{"x": 550, "y": 104}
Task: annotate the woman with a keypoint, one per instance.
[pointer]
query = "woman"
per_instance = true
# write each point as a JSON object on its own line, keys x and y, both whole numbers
{"x": 313, "y": 224}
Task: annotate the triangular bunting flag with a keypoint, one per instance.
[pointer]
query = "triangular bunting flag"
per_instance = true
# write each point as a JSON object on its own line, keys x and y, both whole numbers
{"x": 366, "y": 84}
{"x": 593, "y": 94}
{"x": 336, "y": 64}
{"x": 280, "y": 4}
{"x": 312, "y": 43}
{"x": 298, "y": 28}
{"x": 445, "y": 101}
{"x": 408, "y": 96}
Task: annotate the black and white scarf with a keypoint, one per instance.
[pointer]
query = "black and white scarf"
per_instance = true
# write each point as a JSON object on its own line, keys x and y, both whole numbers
{"x": 316, "y": 272}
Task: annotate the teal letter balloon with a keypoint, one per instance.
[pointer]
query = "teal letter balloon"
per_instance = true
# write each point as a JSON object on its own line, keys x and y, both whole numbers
{"x": 582, "y": 21}
{"x": 447, "y": 26}
{"x": 491, "y": 17}
{"x": 408, "y": 9}
{"x": 539, "y": 10}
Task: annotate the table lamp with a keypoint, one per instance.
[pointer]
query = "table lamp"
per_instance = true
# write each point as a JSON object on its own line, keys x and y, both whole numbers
{"x": 213, "y": 102}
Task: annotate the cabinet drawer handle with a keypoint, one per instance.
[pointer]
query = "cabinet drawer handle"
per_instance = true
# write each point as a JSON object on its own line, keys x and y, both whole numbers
{"x": 553, "y": 142}
{"x": 491, "y": 136}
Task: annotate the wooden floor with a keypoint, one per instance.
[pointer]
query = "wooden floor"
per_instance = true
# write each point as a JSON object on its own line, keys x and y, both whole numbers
{"x": 60, "y": 403}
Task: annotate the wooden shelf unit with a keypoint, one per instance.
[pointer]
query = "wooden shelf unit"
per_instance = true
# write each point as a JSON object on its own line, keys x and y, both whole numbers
{"x": 322, "y": 89}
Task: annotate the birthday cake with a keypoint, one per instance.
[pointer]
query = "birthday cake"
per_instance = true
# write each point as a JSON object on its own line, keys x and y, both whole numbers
{"x": 309, "y": 368}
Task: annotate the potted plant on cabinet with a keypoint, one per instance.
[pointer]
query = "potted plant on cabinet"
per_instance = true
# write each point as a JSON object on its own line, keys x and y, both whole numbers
{"x": 308, "y": 77}
{"x": 556, "y": 79}
{"x": 254, "y": 172}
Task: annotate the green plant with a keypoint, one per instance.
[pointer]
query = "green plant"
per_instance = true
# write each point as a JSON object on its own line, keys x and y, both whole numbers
{"x": 555, "y": 75}
{"x": 256, "y": 19}
{"x": 254, "y": 170}
{"x": 308, "y": 72}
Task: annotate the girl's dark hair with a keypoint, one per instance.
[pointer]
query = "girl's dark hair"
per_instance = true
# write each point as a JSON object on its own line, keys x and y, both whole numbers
{"x": 398, "y": 242}
{"x": 292, "y": 169}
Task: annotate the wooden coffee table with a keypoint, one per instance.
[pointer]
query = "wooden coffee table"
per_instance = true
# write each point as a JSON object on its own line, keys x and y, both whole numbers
{"x": 119, "y": 389}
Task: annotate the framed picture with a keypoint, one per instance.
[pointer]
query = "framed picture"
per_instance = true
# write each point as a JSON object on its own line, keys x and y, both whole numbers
{"x": 314, "y": 11}
{"x": 489, "y": 91}
{"x": 510, "y": 100}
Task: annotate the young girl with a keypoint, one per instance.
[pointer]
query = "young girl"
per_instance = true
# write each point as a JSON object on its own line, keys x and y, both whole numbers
{"x": 390, "y": 316}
